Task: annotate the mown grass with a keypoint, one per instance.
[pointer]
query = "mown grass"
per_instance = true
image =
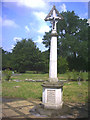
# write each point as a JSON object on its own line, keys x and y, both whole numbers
{"x": 22, "y": 89}
{"x": 31, "y": 76}
{"x": 72, "y": 91}
{"x": 65, "y": 76}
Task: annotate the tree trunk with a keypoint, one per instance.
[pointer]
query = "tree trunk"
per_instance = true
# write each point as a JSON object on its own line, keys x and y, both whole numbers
{"x": 74, "y": 54}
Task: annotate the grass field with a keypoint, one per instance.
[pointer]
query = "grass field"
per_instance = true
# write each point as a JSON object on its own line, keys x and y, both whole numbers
{"x": 72, "y": 92}
{"x": 65, "y": 76}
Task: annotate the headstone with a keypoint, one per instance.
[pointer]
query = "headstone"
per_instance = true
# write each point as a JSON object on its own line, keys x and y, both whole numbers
{"x": 53, "y": 89}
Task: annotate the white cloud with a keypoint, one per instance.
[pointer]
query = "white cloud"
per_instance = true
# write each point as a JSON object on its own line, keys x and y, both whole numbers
{"x": 83, "y": 15}
{"x": 63, "y": 8}
{"x": 88, "y": 21}
{"x": 27, "y": 29}
{"x": 40, "y": 15}
{"x": 12, "y": 46}
{"x": 39, "y": 40}
{"x": 32, "y": 3}
{"x": 16, "y": 39}
{"x": 86, "y": 14}
{"x": 44, "y": 28}
{"x": 9, "y": 23}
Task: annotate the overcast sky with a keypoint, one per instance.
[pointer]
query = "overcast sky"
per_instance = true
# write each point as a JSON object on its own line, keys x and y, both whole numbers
{"x": 25, "y": 19}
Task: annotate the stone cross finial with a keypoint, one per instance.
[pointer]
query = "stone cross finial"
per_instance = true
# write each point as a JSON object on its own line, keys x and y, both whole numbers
{"x": 53, "y": 17}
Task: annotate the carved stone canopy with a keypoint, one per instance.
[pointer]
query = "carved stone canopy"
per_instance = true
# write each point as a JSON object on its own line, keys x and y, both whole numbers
{"x": 50, "y": 16}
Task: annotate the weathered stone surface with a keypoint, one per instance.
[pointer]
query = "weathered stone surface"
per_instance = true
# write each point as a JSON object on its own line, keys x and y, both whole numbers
{"x": 25, "y": 110}
{"x": 53, "y": 84}
{"x": 69, "y": 110}
{"x": 40, "y": 110}
{"x": 9, "y": 113}
{"x": 53, "y": 34}
{"x": 19, "y": 103}
{"x": 53, "y": 60}
{"x": 52, "y": 95}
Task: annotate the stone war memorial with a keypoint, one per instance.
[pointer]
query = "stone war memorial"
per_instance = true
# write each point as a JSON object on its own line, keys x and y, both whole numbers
{"x": 53, "y": 89}
{"x": 35, "y": 95}
{"x": 52, "y": 103}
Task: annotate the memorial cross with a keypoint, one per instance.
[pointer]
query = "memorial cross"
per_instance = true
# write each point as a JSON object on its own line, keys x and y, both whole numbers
{"x": 54, "y": 16}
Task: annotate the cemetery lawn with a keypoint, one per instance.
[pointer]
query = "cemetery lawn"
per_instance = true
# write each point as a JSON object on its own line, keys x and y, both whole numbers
{"x": 29, "y": 75}
{"x": 72, "y": 91}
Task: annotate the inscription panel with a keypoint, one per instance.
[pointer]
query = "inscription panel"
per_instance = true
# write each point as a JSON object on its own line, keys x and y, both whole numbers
{"x": 51, "y": 96}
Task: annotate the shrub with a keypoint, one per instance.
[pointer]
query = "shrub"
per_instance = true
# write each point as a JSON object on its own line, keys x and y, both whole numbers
{"x": 68, "y": 75}
{"x": 83, "y": 75}
{"x": 75, "y": 75}
{"x": 8, "y": 74}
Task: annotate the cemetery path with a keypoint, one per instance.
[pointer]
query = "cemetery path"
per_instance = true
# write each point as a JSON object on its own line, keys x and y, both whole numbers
{"x": 19, "y": 108}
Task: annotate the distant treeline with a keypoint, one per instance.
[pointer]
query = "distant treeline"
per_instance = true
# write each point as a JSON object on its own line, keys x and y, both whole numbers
{"x": 73, "y": 35}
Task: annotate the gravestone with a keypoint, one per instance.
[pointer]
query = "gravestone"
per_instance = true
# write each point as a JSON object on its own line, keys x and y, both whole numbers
{"x": 53, "y": 89}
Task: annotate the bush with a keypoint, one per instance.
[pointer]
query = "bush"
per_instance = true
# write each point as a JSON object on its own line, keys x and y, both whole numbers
{"x": 68, "y": 75}
{"x": 8, "y": 74}
{"x": 75, "y": 75}
{"x": 83, "y": 75}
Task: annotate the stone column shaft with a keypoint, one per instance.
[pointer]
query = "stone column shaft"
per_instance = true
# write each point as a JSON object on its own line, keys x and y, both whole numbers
{"x": 53, "y": 60}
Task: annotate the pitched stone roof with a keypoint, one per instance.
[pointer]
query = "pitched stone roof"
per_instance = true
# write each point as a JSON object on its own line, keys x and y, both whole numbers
{"x": 51, "y": 12}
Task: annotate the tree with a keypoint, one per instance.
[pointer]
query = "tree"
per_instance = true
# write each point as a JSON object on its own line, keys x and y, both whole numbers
{"x": 72, "y": 39}
{"x": 88, "y": 48}
{"x": 6, "y": 59}
{"x": 45, "y": 59}
{"x": 26, "y": 56}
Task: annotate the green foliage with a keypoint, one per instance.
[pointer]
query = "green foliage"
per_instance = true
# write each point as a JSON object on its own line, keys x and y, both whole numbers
{"x": 83, "y": 75}
{"x": 26, "y": 56}
{"x": 8, "y": 74}
{"x": 6, "y": 59}
{"x": 75, "y": 75}
{"x": 46, "y": 39}
{"x": 68, "y": 75}
{"x": 62, "y": 65}
{"x": 72, "y": 40}
{"x": 88, "y": 49}
{"x": 72, "y": 46}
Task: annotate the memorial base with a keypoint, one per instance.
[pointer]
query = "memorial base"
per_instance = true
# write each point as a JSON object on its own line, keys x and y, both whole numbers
{"x": 52, "y": 95}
